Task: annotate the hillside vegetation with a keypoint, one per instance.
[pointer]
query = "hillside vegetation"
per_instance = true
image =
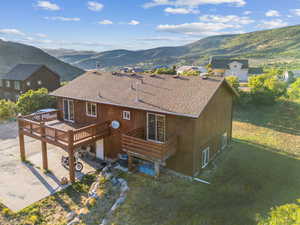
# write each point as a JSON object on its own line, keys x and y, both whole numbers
{"x": 277, "y": 46}
{"x": 12, "y": 53}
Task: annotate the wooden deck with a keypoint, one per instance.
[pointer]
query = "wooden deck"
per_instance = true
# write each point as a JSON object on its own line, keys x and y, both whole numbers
{"x": 134, "y": 143}
{"x": 46, "y": 126}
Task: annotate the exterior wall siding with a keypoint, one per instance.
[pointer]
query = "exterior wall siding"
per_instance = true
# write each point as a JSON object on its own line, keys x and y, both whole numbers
{"x": 215, "y": 120}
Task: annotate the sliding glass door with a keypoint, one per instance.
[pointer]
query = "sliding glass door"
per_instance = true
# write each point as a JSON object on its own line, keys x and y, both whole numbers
{"x": 156, "y": 127}
{"x": 68, "y": 110}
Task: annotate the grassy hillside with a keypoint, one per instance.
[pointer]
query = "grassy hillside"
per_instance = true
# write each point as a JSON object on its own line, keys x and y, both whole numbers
{"x": 276, "y": 45}
{"x": 12, "y": 53}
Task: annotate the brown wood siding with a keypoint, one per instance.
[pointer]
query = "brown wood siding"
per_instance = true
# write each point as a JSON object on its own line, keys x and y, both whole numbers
{"x": 213, "y": 122}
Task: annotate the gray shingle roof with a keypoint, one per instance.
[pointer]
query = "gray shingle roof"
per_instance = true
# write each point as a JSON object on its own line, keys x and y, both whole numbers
{"x": 21, "y": 72}
{"x": 185, "y": 96}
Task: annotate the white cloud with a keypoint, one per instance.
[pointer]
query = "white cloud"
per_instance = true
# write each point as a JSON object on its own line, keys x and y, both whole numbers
{"x": 41, "y": 35}
{"x": 105, "y": 22}
{"x": 296, "y": 12}
{"x": 272, "y": 24}
{"x": 134, "y": 22}
{"x": 95, "y": 6}
{"x": 12, "y": 31}
{"x": 248, "y": 12}
{"x": 181, "y": 10}
{"x": 227, "y": 19}
{"x": 192, "y": 3}
{"x": 48, "y": 5}
{"x": 61, "y": 18}
{"x": 272, "y": 13}
{"x": 202, "y": 29}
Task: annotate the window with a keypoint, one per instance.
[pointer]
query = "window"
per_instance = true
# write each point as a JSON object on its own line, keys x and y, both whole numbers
{"x": 7, "y": 83}
{"x": 224, "y": 141}
{"x": 156, "y": 127}
{"x": 205, "y": 157}
{"x": 126, "y": 115}
{"x": 17, "y": 85}
{"x": 39, "y": 82}
{"x": 28, "y": 83}
{"x": 1, "y": 83}
{"x": 68, "y": 106}
{"x": 91, "y": 109}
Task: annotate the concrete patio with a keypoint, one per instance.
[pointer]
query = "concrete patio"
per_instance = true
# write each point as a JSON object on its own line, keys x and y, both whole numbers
{"x": 22, "y": 184}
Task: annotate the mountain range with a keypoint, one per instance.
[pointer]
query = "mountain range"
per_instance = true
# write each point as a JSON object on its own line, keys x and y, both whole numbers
{"x": 12, "y": 53}
{"x": 276, "y": 44}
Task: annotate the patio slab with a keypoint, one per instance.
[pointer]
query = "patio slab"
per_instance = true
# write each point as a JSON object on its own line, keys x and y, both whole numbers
{"x": 22, "y": 184}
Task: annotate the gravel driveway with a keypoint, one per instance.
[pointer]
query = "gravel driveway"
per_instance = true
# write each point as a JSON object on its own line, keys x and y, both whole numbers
{"x": 22, "y": 184}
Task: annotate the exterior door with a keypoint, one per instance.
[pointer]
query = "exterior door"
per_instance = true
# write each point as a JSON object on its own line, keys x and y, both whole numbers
{"x": 156, "y": 127}
{"x": 68, "y": 110}
{"x": 100, "y": 149}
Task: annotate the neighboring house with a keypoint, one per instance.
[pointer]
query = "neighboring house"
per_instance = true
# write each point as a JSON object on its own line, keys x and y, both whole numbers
{"x": 230, "y": 67}
{"x": 176, "y": 122}
{"x": 183, "y": 69}
{"x": 24, "y": 77}
{"x": 289, "y": 75}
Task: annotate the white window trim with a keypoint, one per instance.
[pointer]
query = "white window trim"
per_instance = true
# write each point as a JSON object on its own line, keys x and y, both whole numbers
{"x": 28, "y": 83}
{"x": 68, "y": 100}
{"x": 126, "y": 115}
{"x": 224, "y": 146}
{"x": 148, "y": 139}
{"x": 7, "y": 83}
{"x": 204, "y": 152}
{"x": 86, "y": 109}
{"x": 40, "y": 82}
{"x": 17, "y": 85}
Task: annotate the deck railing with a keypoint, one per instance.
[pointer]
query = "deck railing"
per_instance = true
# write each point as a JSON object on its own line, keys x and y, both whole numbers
{"x": 36, "y": 126}
{"x": 135, "y": 142}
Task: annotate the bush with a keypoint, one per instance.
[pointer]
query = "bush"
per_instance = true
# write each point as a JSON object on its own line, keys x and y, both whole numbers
{"x": 233, "y": 81}
{"x": 6, "y": 212}
{"x": 294, "y": 89}
{"x": 266, "y": 88}
{"x": 32, "y": 101}
{"x": 191, "y": 73}
{"x": 288, "y": 214}
{"x": 8, "y": 110}
{"x": 171, "y": 71}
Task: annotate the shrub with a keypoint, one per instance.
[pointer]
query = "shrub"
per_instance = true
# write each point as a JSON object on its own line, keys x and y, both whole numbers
{"x": 32, "y": 101}
{"x": 288, "y": 214}
{"x": 34, "y": 219}
{"x": 8, "y": 110}
{"x": 266, "y": 88}
{"x": 294, "y": 89}
{"x": 171, "y": 71}
{"x": 191, "y": 73}
{"x": 233, "y": 81}
{"x": 6, "y": 212}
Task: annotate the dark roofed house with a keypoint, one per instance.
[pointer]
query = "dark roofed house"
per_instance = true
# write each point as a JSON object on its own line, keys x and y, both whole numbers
{"x": 230, "y": 67}
{"x": 24, "y": 77}
{"x": 176, "y": 122}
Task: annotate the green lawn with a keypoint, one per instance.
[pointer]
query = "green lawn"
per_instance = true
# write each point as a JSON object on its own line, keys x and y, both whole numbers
{"x": 260, "y": 170}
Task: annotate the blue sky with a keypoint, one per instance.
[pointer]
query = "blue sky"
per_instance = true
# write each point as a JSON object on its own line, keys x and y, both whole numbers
{"x": 137, "y": 24}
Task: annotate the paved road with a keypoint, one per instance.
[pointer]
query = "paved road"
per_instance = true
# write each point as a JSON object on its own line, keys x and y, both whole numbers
{"x": 22, "y": 184}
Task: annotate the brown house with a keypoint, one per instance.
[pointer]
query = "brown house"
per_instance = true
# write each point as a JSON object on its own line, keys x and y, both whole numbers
{"x": 172, "y": 121}
{"x": 24, "y": 77}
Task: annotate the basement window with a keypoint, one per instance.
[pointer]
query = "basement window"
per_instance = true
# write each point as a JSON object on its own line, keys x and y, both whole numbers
{"x": 205, "y": 157}
{"x": 91, "y": 109}
{"x": 126, "y": 115}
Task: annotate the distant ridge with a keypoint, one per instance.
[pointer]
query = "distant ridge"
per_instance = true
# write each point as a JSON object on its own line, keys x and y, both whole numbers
{"x": 277, "y": 44}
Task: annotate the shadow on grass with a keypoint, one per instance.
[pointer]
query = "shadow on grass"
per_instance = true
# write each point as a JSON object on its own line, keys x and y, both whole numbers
{"x": 249, "y": 181}
{"x": 282, "y": 116}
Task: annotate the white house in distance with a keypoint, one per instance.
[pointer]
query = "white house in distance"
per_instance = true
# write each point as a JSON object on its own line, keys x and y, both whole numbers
{"x": 230, "y": 67}
{"x": 183, "y": 69}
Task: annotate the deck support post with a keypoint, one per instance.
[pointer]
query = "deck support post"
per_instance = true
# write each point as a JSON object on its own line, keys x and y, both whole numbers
{"x": 129, "y": 162}
{"x": 71, "y": 156}
{"x": 44, "y": 147}
{"x": 156, "y": 168}
{"x": 21, "y": 140}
